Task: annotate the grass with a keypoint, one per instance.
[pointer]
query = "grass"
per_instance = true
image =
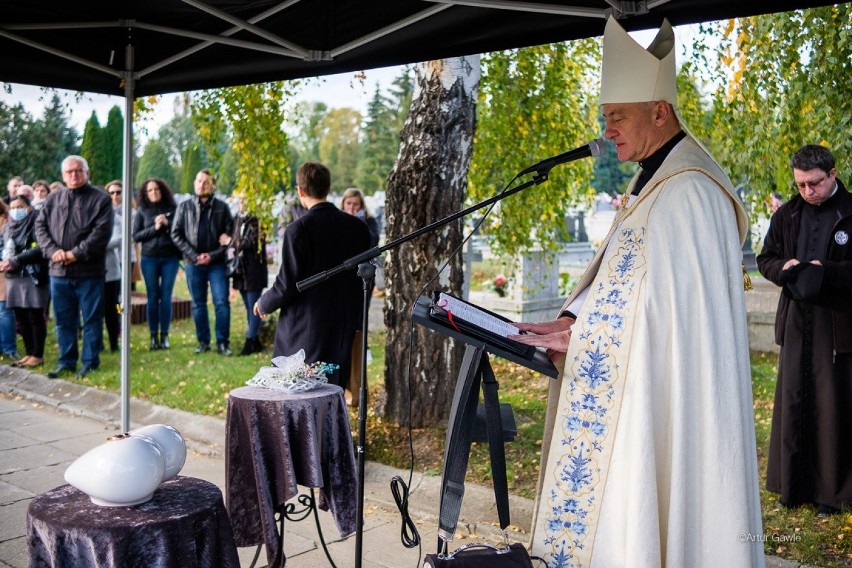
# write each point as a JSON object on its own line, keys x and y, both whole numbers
{"x": 180, "y": 379}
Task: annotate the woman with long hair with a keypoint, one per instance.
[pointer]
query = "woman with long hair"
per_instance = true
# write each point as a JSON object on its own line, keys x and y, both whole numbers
{"x": 27, "y": 280}
{"x": 160, "y": 256}
{"x": 252, "y": 276}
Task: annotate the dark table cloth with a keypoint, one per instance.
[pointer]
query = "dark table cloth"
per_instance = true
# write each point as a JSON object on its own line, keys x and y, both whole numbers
{"x": 276, "y": 441}
{"x": 184, "y": 525}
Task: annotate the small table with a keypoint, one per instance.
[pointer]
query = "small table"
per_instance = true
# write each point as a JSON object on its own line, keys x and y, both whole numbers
{"x": 275, "y": 441}
{"x": 184, "y": 525}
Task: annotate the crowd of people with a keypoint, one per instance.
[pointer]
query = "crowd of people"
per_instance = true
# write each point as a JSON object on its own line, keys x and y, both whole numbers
{"x": 649, "y": 455}
{"x": 63, "y": 242}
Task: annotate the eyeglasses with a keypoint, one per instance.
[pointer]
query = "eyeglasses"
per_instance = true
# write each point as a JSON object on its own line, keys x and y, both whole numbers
{"x": 72, "y": 172}
{"x": 115, "y": 192}
{"x": 811, "y": 184}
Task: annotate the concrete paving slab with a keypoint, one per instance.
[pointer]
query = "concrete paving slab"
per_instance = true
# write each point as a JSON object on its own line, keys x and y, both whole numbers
{"x": 37, "y": 480}
{"x": 21, "y": 459}
{"x": 10, "y": 493}
{"x": 13, "y": 553}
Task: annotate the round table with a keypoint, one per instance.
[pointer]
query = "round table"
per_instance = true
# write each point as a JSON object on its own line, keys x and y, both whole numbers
{"x": 276, "y": 441}
{"x": 184, "y": 525}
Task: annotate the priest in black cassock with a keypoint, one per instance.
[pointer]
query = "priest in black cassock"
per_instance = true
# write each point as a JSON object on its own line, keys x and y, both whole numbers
{"x": 808, "y": 253}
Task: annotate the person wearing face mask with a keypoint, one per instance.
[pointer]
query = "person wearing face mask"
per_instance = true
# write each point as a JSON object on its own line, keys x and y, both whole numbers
{"x": 8, "y": 347}
{"x": 26, "y": 272}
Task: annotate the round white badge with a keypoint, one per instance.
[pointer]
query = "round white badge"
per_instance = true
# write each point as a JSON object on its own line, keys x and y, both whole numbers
{"x": 841, "y": 237}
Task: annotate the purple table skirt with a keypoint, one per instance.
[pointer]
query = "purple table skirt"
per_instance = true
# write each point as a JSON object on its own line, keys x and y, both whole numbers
{"x": 184, "y": 525}
{"x": 276, "y": 441}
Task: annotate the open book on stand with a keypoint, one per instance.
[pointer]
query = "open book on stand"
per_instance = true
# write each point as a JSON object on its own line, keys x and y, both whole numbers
{"x": 478, "y": 322}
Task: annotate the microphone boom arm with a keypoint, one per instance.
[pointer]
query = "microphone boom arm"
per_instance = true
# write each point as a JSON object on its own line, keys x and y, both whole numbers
{"x": 372, "y": 253}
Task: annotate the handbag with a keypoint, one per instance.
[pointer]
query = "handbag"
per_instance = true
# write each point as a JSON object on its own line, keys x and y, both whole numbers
{"x": 233, "y": 266}
{"x": 233, "y": 262}
{"x": 459, "y": 438}
{"x": 480, "y": 555}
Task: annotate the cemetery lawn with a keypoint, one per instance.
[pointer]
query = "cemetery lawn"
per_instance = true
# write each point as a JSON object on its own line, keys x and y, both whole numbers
{"x": 178, "y": 378}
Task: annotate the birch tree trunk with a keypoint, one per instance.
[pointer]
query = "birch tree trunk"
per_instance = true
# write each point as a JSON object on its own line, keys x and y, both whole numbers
{"x": 427, "y": 183}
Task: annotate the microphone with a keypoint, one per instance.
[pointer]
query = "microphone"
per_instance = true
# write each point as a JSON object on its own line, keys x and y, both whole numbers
{"x": 594, "y": 148}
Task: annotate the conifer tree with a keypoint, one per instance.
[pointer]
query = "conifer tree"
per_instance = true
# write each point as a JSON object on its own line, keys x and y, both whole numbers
{"x": 114, "y": 144}
{"x": 92, "y": 148}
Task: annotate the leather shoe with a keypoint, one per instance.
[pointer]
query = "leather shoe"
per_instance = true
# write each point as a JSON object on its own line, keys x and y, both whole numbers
{"x": 223, "y": 349}
{"x": 825, "y": 511}
{"x": 202, "y": 348}
{"x": 85, "y": 370}
{"x": 58, "y": 371}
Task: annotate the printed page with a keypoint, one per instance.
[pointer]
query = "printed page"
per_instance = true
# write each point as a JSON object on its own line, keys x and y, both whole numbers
{"x": 474, "y": 315}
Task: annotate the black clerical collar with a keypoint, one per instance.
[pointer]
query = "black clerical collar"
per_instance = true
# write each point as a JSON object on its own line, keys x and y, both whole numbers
{"x": 652, "y": 163}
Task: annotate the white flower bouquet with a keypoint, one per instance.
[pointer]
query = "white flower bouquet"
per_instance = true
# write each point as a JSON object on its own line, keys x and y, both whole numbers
{"x": 292, "y": 374}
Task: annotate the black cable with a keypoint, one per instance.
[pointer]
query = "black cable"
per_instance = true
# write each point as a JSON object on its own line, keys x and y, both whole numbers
{"x": 408, "y": 534}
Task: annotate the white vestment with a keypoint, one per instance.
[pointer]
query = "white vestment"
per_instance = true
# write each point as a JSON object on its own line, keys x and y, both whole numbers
{"x": 650, "y": 456}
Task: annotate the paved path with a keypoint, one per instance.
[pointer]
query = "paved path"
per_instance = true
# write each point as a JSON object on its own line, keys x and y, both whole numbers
{"x": 46, "y": 424}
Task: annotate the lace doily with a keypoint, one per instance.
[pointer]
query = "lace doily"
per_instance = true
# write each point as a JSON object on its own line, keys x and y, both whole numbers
{"x": 291, "y": 374}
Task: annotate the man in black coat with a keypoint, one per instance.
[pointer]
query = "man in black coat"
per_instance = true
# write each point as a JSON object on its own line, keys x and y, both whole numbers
{"x": 321, "y": 320}
{"x": 73, "y": 229}
{"x": 808, "y": 253}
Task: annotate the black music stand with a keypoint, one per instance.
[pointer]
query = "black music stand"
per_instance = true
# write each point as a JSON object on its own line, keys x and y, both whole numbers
{"x": 475, "y": 370}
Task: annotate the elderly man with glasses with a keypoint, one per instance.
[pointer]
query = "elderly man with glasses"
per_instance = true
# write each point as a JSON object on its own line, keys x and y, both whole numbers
{"x": 807, "y": 252}
{"x": 73, "y": 230}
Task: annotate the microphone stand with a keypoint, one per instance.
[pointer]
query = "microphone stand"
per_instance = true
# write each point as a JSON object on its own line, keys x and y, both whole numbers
{"x": 367, "y": 271}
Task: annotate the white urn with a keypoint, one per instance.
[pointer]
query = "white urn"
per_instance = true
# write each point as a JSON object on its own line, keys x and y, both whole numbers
{"x": 171, "y": 444}
{"x": 128, "y": 468}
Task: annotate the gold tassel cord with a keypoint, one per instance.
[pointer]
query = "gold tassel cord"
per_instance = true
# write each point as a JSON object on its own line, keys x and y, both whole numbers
{"x": 746, "y": 280}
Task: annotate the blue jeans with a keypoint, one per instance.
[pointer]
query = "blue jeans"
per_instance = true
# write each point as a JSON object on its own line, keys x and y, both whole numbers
{"x": 249, "y": 299}
{"x": 73, "y": 297}
{"x": 159, "y": 273}
{"x": 8, "y": 339}
{"x": 197, "y": 278}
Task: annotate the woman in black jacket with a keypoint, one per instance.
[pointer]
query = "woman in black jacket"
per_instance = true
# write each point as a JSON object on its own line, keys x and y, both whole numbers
{"x": 160, "y": 256}
{"x": 27, "y": 280}
{"x": 251, "y": 275}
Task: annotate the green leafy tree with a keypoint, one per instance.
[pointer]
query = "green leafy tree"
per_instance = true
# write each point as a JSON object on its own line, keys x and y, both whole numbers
{"x": 113, "y": 137}
{"x": 92, "y": 148}
{"x": 155, "y": 163}
{"x": 178, "y": 133}
{"x": 339, "y": 147}
{"x": 307, "y": 120}
{"x": 250, "y": 118}
{"x": 191, "y": 164}
{"x": 533, "y": 103}
{"x": 781, "y": 82}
